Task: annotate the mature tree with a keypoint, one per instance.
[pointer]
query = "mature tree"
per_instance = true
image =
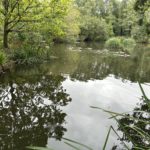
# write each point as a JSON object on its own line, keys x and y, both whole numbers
{"x": 142, "y": 30}
{"x": 29, "y": 15}
{"x": 141, "y": 6}
{"x": 93, "y": 25}
{"x": 128, "y": 17}
{"x": 15, "y": 12}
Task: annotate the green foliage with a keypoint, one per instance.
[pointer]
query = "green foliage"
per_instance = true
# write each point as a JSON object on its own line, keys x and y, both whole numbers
{"x": 69, "y": 21}
{"x": 140, "y": 34}
{"x": 3, "y": 58}
{"x": 30, "y": 54}
{"x": 147, "y": 15}
{"x": 128, "y": 44}
{"x": 121, "y": 43}
{"x": 139, "y": 5}
{"x": 114, "y": 44}
{"x": 120, "y": 19}
{"x": 43, "y": 17}
{"x": 70, "y": 28}
{"x": 95, "y": 29}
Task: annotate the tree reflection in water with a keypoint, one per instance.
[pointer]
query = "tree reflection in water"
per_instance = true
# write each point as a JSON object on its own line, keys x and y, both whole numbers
{"x": 30, "y": 110}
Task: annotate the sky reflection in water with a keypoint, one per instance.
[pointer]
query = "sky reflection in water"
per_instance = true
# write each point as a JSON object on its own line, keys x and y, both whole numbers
{"x": 90, "y": 126}
{"x": 86, "y": 75}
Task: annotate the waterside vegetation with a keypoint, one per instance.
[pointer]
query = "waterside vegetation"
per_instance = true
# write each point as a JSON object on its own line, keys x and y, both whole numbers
{"x": 36, "y": 25}
{"x": 119, "y": 43}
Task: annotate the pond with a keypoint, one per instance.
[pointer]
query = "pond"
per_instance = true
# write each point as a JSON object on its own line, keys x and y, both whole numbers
{"x": 42, "y": 103}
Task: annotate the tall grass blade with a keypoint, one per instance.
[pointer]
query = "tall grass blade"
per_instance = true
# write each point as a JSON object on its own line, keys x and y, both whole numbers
{"x": 120, "y": 138}
{"x": 141, "y": 132}
{"x": 144, "y": 95}
{"x": 74, "y": 147}
{"x": 139, "y": 148}
{"x": 38, "y": 148}
{"x": 119, "y": 114}
{"x": 72, "y": 141}
{"x": 139, "y": 111}
{"x": 107, "y": 137}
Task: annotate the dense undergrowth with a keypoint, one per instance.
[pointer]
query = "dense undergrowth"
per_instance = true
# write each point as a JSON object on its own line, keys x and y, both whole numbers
{"x": 3, "y": 58}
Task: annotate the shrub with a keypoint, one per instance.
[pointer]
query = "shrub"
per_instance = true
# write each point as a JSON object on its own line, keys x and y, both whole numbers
{"x": 139, "y": 33}
{"x": 118, "y": 43}
{"x": 114, "y": 43}
{"x": 3, "y": 58}
{"x": 30, "y": 54}
{"x": 95, "y": 29}
{"x": 128, "y": 44}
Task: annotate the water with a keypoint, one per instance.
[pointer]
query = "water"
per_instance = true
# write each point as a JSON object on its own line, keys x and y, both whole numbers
{"x": 53, "y": 99}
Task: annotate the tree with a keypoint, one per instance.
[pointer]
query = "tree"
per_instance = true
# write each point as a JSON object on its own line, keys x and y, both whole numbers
{"x": 141, "y": 6}
{"x": 93, "y": 25}
{"x": 70, "y": 25}
{"x": 29, "y": 15}
{"x": 129, "y": 17}
{"x": 15, "y": 12}
{"x": 95, "y": 29}
{"x": 142, "y": 30}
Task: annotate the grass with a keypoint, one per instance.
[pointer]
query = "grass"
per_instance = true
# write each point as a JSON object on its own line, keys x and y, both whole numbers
{"x": 30, "y": 54}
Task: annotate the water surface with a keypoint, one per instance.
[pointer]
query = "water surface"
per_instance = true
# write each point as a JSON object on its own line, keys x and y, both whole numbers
{"x": 44, "y": 102}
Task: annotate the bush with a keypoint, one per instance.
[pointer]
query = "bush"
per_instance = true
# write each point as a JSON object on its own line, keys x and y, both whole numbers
{"x": 139, "y": 33}
{"x": 114, "y": 43}
{"x": 128, "y": 44}
{"x": 30, "y": 54}
{"x": 124, "y": 44}
{"x": 95, "y": 29}
{"x": 3, "y": 58}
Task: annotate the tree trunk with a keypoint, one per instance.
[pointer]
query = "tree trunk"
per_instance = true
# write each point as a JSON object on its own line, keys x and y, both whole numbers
{"x": 5, "y": 36}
